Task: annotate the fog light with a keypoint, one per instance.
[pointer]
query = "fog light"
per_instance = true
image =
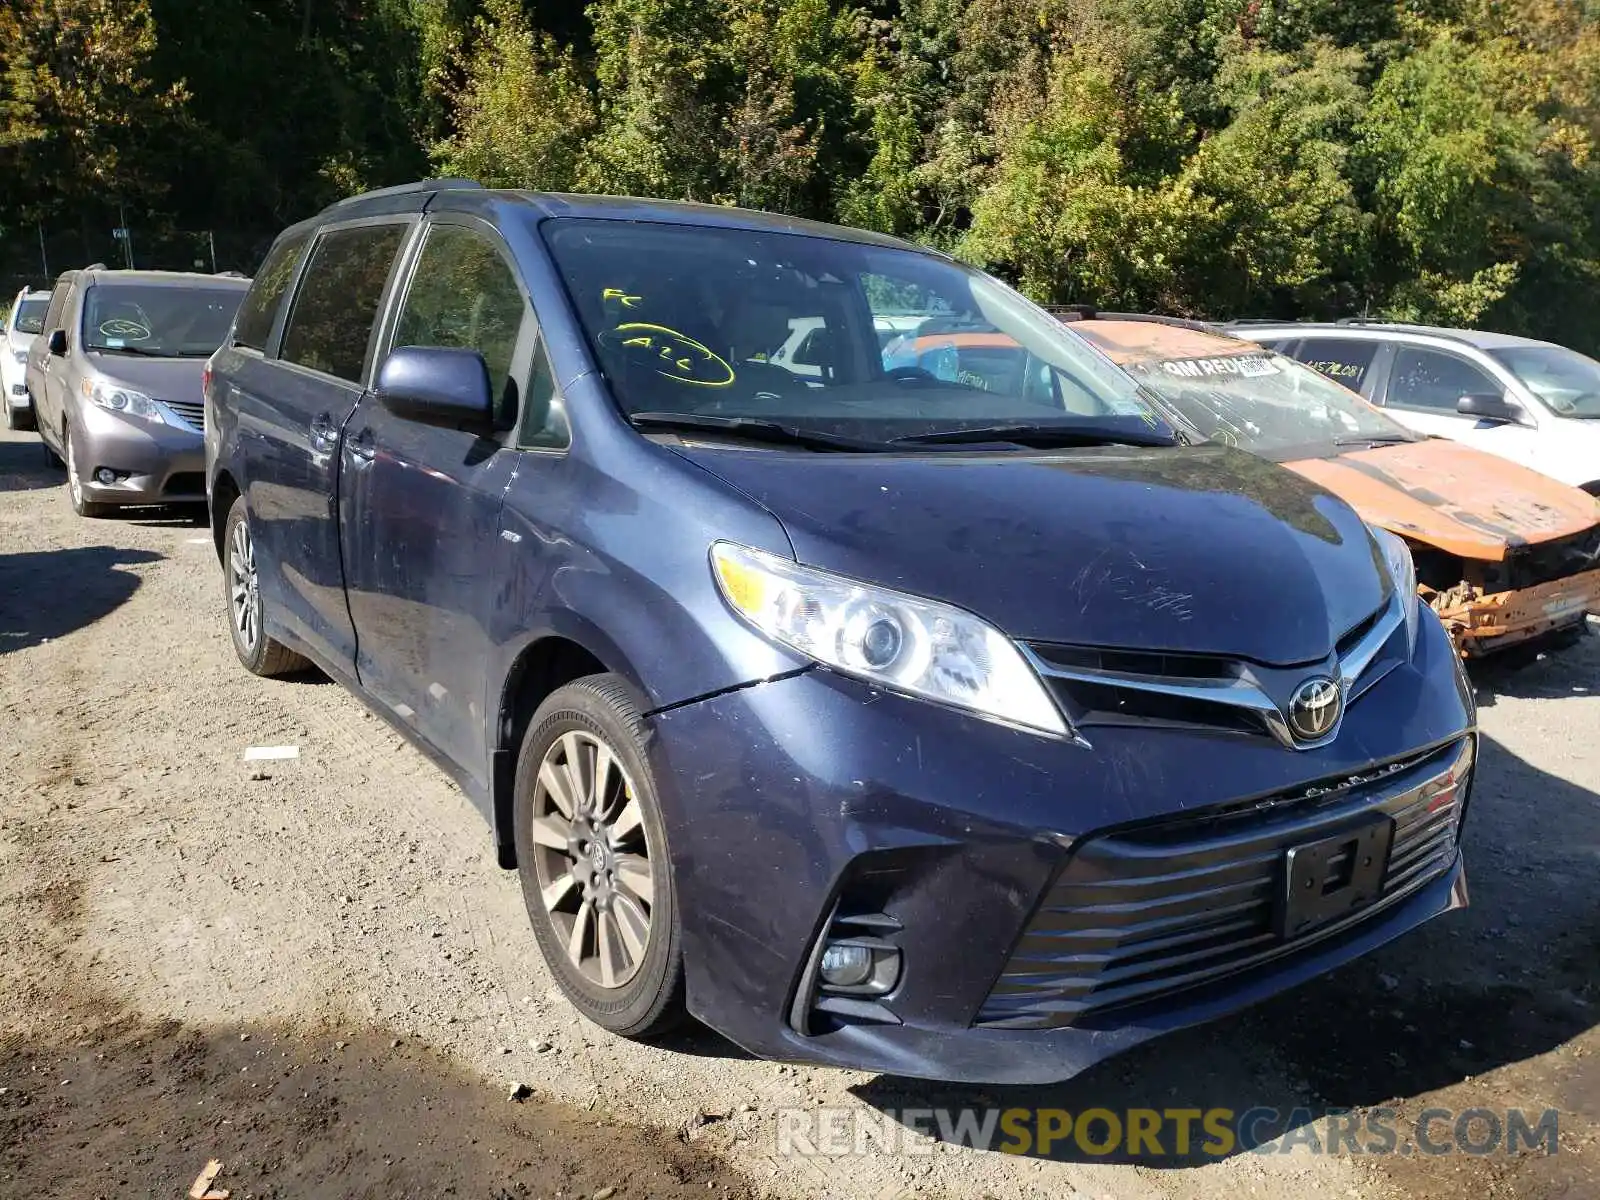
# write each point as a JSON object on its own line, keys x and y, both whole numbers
{"x": 846, "y": 965}
{"x": 105, "y": 475}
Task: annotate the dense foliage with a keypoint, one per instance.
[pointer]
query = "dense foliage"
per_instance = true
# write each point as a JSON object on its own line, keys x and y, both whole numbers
{"x": 1432, "y": 159}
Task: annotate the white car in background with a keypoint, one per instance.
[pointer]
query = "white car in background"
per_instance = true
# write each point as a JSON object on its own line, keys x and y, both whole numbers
{"x": 25, "y": 322}
{"x": 1533, "y": 402}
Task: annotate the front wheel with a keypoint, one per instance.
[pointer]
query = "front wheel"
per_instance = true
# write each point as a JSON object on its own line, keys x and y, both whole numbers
{"x": 258, "y": 653}
{"x": 81, "y": 505}
{"x": 592, "y": 855}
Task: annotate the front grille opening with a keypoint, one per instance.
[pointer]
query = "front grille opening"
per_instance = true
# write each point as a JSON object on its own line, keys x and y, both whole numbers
{"x": 1138, "y": 662}
{"x": 1142, "y": 914}
{"x": 1359, "y": 630}
{"x": 1107, "y": 704}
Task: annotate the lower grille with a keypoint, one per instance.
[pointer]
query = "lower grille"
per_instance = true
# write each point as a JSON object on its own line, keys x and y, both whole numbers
{"x": 1138, "y": 915}
{"x": 194, "y": 414}
{"x": 186, "y": 483}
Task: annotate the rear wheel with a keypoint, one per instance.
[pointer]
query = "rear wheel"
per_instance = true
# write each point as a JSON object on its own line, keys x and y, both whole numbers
{"x": 18, "y": 418}
{"x": 51, "y": 458}
{"x": 258, "y": 653}
{"x": 592, "y": 854}
{"x": 80, "y": 505}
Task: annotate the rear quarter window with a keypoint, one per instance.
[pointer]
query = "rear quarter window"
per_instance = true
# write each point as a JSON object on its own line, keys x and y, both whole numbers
{"x": 253, "y": 326}
{"x": 331, "y": 321}
{"x": 1344, "y": 361}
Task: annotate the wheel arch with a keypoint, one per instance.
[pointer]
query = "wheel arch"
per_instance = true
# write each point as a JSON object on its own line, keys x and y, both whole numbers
{"x": 1592, "y": 487}
{"x": 544, "y": 664}
{"x": 224, "y": 491}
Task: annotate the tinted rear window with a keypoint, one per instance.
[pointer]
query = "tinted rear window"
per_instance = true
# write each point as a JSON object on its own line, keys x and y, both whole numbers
{"x": 29, "y": 317}
{"x": 1344, "y": 361}
{"x": 260, "y": 307}
{"x": 333, "y": 312}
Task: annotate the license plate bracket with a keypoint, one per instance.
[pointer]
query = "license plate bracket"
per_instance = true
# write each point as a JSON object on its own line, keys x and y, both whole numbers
{"x": 1333, "y": 876}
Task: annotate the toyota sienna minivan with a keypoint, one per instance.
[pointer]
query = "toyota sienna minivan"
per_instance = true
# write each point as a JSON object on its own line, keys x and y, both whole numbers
{"x": 919, "y": 725}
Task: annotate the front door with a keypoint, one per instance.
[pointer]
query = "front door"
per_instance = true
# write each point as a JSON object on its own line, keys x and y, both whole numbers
{"x": 420, "y": 505}
{"x": 290, "y": 414}
{"x": 1423, "y": 388}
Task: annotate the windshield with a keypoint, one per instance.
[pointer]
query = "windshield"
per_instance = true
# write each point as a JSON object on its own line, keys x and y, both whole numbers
{"x": 1264, "y": 402}
{"x": 29, "y": 317}
{"x": 1567, "y": 381}
{"x": 813, "y": 334}
{"x": 160, "y": 320}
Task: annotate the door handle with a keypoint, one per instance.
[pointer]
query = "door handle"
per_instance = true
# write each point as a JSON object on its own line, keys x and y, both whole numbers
{"x": 363, "y": 447}
{"x": 323, "y": 433}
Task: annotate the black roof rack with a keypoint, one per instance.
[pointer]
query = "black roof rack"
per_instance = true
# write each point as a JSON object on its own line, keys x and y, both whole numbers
{"x": 403, "y": 189}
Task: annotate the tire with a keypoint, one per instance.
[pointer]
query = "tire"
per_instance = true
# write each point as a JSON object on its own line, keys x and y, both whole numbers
{"x": 16, "y": 418}
{"x": 81, "y": 506}
{"x": 636, "y": 990}
{"x": 51, "y": 458}
{"x": 258, "y": 653}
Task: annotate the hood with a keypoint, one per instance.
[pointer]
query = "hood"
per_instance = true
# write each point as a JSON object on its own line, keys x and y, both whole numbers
{"x": 1451, "y": 496}
{"x": 20, "y": 340}
{"x": 162, "y": 378}
{"x": 1201, "y": 550}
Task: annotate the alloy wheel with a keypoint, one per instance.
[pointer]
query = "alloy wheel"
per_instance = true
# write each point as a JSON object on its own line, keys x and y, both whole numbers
{"x": 243, "y": 590}
{"x": 592, "y": 858}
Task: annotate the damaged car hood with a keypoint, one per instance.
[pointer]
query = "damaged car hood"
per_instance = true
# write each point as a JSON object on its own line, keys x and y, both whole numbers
{"x": 1199, "y": 550}
{"x": 1451, "y": 496}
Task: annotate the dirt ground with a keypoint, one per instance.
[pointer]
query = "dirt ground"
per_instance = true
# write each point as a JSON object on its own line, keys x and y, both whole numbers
{"x": 322, "y": 979}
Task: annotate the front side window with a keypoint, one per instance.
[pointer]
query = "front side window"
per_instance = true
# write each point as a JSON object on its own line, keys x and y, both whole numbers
{"x": 1567, "y": 381}
{"x": 58, "y": 305}
{"x": 1434, "y": 380}
{"x": 331, "y": 321}
{"x": 1264, "y": 402}
{"x": 830, "y": 337}
{"x": 158, "y": 320}
{"x": 1341, "y": 360}
{"x": 29, "y": 317}
{"x": 260, "y": 308}
{"x": 464, "y": 295}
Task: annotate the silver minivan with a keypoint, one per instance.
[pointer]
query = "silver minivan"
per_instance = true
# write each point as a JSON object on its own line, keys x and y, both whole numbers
{"x": 116, "y": 382}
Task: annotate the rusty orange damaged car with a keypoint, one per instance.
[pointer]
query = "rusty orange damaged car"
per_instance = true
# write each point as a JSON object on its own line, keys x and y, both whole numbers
{"x": 1504, "y": 555}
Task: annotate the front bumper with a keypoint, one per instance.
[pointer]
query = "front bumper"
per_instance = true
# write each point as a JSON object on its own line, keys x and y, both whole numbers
{"x": 1484, "y": 624}
{"x": 790, "y": 801}
{"x": 156, "y": 464}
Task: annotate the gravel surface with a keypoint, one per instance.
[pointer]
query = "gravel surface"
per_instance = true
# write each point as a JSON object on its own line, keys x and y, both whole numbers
{"x": 320, "y": 977}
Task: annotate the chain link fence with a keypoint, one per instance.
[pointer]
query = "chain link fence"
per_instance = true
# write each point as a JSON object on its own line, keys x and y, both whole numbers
{"x": 34, "y": 256}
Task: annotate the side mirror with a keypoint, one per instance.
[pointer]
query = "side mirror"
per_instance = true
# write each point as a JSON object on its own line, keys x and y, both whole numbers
{"x": 58, "y": 342}
{"x": 1489, "y": 407}
{"x": 433, "y": 385}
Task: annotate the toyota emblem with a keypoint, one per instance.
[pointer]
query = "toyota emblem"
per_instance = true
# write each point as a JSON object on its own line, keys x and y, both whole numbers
{"x": 1314, "y": 708}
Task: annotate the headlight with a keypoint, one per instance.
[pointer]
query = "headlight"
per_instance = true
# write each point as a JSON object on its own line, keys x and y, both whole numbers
{"x": 919, "y": 647}
{"x": 123, "y": 400}
{"x": 20, "y": 355}
{"x": 1403, "y": 570}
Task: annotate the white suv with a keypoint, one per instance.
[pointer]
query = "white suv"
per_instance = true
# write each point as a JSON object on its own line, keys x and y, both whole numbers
{"x": 24, "y": 323}
{"x": 1533, "y": 402}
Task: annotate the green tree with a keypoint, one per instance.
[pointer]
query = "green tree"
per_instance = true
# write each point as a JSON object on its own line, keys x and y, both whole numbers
{"x": 522, "y": 113}
{"x": 78, "y": 108}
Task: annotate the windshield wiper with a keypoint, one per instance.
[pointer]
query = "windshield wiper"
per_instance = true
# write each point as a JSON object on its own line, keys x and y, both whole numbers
{"x": 1375, "y": 439}
{"x": 1088, "y": 433}
{"x": 754, "y": 429}
{"x": 139, "y": 350}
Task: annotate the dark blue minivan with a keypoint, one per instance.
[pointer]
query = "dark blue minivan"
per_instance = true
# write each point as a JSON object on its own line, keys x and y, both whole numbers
{"x": 967, "y": 724}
